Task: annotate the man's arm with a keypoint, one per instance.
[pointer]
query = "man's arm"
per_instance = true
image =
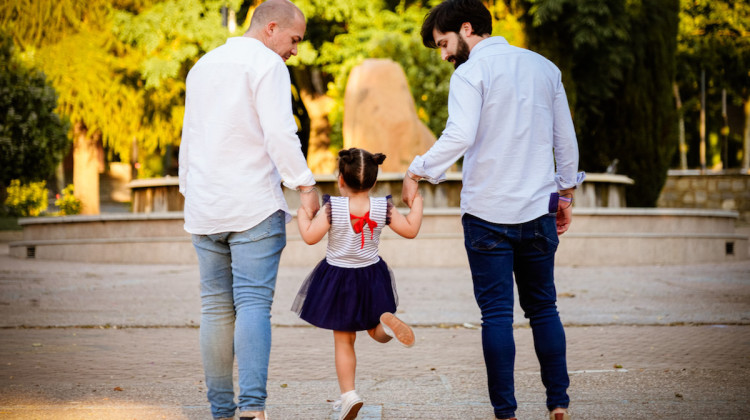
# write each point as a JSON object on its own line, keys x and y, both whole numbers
{"x": 464, "y": 110}
{"x": 274, "y": 101}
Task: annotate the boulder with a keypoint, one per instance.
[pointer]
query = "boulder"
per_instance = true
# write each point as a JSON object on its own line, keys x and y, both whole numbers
{"x": 380, "y": 115}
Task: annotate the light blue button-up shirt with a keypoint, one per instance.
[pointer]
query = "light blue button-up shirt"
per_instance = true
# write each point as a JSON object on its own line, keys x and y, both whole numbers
{"x": 509, "y": 118}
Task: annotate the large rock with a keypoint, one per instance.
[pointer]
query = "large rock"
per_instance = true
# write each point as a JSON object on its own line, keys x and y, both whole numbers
{"x": 380, "y": 116}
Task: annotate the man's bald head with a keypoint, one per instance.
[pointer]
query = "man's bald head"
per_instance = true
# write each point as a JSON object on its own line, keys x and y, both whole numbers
{"x": 283, "y": 12}
{"x": 279, "y": 25}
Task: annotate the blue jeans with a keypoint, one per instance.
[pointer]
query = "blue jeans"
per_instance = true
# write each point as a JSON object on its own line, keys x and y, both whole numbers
{"x": 496, "y": 252}
{"x": 238, "y": 277}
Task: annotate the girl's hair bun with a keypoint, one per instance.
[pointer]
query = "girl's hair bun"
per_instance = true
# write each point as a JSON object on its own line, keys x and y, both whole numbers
{"x": 346, "y": 155}
{"x": 378, "y": 158}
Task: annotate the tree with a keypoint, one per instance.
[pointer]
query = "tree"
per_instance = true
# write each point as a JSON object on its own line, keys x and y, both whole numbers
{"x": 32, "y": 136}
{"x": 119, "y": 86}
{"x": 714, "y": 42}
{"x": 72, "y": 43}
{"x": 617, "y": 59}
{"x": 164, "y": 39}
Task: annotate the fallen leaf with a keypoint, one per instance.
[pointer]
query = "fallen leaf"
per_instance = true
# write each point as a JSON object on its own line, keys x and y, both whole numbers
{"x": 117, "y": 388}
{"x": 618, "y": 366}
{"x": 284, "y": 385}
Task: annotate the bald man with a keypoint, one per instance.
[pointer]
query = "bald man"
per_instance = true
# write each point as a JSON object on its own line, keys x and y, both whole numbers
{"x": 239, "y": 144}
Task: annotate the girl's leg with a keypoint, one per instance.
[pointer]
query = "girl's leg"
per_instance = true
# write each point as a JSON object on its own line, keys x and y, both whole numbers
{"x": 346, "y": 359}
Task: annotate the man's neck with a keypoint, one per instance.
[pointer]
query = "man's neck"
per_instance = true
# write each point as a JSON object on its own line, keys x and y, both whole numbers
{"x": 475, "y": 39}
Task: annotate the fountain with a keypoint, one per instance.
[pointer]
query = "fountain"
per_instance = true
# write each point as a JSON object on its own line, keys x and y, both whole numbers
{"x": 604, "y": 230}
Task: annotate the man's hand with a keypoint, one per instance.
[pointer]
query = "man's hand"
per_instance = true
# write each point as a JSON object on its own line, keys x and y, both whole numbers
{"x": 308, "y": 197}
{"x": 565, "y": 211}
{"x": 564, "y": 217}
{"x": 409, "y": 190}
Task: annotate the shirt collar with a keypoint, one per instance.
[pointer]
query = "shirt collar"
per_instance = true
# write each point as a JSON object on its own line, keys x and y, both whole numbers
{"x": 486, "y": 43}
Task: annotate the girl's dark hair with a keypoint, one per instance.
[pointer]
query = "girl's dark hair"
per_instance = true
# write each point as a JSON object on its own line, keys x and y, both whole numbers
{"x": 359, "y": 168}
{"x": 449, "y": 15}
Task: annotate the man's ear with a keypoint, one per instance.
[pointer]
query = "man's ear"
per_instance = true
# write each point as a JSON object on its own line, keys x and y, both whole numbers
{"x": 467, "y": 29}
{"x": 271, "y": 27}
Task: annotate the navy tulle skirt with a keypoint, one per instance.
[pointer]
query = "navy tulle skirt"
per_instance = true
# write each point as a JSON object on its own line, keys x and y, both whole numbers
{"x": 346, "y": 299}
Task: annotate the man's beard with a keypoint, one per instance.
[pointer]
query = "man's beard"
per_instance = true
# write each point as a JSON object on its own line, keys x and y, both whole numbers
{"x": 462, "y": 53}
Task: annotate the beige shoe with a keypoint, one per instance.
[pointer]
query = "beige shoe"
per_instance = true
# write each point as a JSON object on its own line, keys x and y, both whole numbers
{"x": 561, "y": 415}
{"x": 397, "y": 329}
{"x": 253, "y": 415}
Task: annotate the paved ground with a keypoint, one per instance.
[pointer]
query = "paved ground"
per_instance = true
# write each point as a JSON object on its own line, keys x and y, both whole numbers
{"x": 102, "y": 341}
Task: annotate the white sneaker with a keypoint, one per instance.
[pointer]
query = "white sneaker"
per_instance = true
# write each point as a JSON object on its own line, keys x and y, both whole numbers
{"x": 397, "y": 329}
{"x": 350, "y": 404}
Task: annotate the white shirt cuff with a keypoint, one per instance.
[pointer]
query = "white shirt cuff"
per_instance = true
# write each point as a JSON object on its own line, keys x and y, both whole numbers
{"x": 564, "y": 184}
{"x": 417, "y": 167}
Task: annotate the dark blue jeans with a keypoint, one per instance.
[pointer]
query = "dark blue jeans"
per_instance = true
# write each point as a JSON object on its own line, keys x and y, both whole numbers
{"x": 497, "y": 252}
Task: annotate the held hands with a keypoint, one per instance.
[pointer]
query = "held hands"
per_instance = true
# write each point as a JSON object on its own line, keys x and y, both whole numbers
{"x": 409, "y": 190}
{"x": 309, "y": 199}
{"x": 417, "y": 202}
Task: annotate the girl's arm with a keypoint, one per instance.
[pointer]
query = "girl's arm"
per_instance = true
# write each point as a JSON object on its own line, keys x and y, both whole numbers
{"x": 408, "y": 226}
{"x": 312, "y": 230}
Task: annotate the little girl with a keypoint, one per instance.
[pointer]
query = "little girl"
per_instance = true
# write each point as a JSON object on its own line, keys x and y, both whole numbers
{"x": 353, "y": 289}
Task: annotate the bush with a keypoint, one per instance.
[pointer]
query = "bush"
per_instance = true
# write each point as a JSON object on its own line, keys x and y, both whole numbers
{"x": 33, "y": 138}
{"x": 27, "y": 199}
{"x": 67, "y": 202}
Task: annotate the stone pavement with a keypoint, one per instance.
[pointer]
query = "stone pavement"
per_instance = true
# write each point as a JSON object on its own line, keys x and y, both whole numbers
{"x": 106, "y": 341}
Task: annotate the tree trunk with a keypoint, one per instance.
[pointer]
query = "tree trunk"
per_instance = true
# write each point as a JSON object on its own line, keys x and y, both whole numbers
{"x": 320, "y": 159}
{"x": 681, "y": 127}
{"x": 702, "y": 128}
{"x": 86, "y": 169}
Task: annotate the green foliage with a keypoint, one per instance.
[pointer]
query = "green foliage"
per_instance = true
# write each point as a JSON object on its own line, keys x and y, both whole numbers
{"x": 170, "y": 34}
{"x": 32, "y": 136}
{"x": 38, "y": 23}
{"x": 341, "y": 34}
{"x": 645, "y": 113}
{"x": 67, "y": 202}
{"x": 617, "y": 59}
{"x": 119, "y": 66}
{"x": 714, "y": 37}
{"x": 164, "y": 40}
{"x": 26, "y": 200}
{"x": 93, "y": 86}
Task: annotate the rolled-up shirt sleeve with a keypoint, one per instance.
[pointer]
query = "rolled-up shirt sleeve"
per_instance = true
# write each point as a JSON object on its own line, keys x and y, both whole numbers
{"x": 280, "y": 129}
{"x": 565, "y": 143}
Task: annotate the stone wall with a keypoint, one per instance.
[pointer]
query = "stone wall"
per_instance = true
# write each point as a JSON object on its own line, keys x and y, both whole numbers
{"x": 693, "y": 190}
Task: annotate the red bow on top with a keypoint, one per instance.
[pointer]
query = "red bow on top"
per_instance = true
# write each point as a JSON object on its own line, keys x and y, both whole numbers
{"x": 359, "y": 224}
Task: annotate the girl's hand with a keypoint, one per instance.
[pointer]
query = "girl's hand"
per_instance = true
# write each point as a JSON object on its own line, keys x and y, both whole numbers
{"x": 408, "y": 226}
{"x": 312, "y": 228}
